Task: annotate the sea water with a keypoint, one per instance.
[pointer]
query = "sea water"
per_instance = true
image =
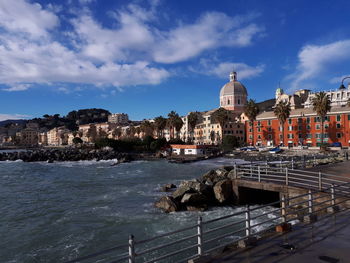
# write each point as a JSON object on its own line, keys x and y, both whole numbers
{"x": 55, "y": 212}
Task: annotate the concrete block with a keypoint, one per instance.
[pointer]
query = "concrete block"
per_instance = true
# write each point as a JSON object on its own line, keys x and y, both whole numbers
{"x": 310, "y": 218}
{"x": 333, "y": 209}
{"x": 249, "y": 241}
{"x": 284, "y": 227}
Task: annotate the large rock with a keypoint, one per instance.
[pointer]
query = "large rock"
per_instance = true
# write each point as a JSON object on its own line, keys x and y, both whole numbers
{"x": 168, "y": 187}
{"x": 193, "y": 199}
{"x": 223, "y": 191}
{"x": 197, "y": 186}
{"x": 167, "y": 204}
{"x": 214, "y": 176}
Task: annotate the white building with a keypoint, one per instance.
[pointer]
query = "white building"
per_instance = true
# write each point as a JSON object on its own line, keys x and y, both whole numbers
{"x": 339, "y": 98}
{"x": 180, "y": 149}
{"x": 118, "y": 118}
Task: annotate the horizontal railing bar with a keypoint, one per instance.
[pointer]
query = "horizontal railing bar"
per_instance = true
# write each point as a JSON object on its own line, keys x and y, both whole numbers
{"x": 264, "y": 222}
{"x": 266, "y": 213}
{"x": 223, "y": 236}
{"x": 263, "y": 206}
{"x": 165, "y": 245}
{"x": 166, "y": 234}
{"x": 172, "y": 254}
{"x": 223, "y": 217}
{"x": 224, "y": 226}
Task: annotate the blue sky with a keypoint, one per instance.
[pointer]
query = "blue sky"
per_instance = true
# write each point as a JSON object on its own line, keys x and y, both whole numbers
{"x": 147, "y": 58}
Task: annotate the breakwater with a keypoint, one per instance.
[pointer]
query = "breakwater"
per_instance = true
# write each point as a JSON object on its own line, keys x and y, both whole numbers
{"x": 66, "y": 154}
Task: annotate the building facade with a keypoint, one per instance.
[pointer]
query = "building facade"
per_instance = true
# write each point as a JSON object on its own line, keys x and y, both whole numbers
{"x": 118, "y": 118}
{"x": 303, "y": 127}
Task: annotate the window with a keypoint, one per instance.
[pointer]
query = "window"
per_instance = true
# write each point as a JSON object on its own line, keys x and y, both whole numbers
{"x": 317, "y": 119}
{"x": 250, "y": 136}
{"x": 300, "y": 135}
{"x": 259, "y": 130}
{"x": 280, "y": 136}
{"x": 318, "y": 126}
{"x": 307, "y": 120}
{"x": 317, "y": 135}
{"x": 309, "y": 136}
{"x": 338, "y": 96}
{"x": 239, "y": 101}
{"x": 250, "y": 130}
{"x": 259, "y": 123}
{"x": 326, "y": 118}
{"x": 300, "y": 128}
{"x": 289, "y": 121}
{"x": 269, "y": 122}
{"x": 228, "y": 102}
{"x": 326, "y": 126}
{"x": 338, "y": 117}
{"x": 300, "y": 120}
{"x": 269, "y": 136}
{"x": 348, "y": 117}
{"x": 259, "y": 137}
{"x": 290, "y": 128}
{"x": 338, "y": 125}
{"x": 325, "y": 135}
{"x": 308, "y": 127}
{"x": 338, "y": 135}
{"x": 280, "y": 128}
{"x": 269, "y": 129}
{"x": 290, "y": 136}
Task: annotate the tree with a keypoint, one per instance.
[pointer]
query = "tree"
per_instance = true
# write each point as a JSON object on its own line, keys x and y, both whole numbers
{"x": 171, "y": 123}
{"x": 282, "y": 112}
{"x": 102, "y": 133}
{"x": 251, "y": 109}
{"x": 147, "y": 128}
{"x": 193, "y": 119}
{"x": 321, "y": 104}
{"x": 160, "y": 124}
{"x": 92, "y": 133}
{"x": 77, "y": 140}
{"x": 178, "y": 123}
{"x": 229, "y": 142}
{"x": 220, "y": 116}
{"x": 116, "y": 132}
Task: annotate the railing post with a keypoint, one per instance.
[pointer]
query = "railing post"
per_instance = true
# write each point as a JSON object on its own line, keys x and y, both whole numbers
{"x": 235, "y": 170}
{"x": 131, "y": 249}
{"x": 320, "y": 180}
{"x": 200, "y": 236}
{"x": 292, "y": 163}
{"x": 333, "y": 195}
{"x": 259, "y": 179}
{"x": 283, "y": 209}
{"x": 287, "y": 176}
{"x": 310, "y": 203}
{"x": 247, "y": 222}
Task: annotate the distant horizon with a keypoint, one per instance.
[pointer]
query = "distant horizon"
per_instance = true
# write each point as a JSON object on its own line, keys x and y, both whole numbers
{"x": 146, "y": 58}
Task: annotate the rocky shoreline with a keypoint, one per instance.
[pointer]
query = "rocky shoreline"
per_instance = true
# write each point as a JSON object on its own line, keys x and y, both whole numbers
{"x": 71, "y": 154}
{"x": 214, "y": 188}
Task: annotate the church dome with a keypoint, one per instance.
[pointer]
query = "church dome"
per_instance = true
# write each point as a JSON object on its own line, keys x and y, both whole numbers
{"x": 233, "y": 87}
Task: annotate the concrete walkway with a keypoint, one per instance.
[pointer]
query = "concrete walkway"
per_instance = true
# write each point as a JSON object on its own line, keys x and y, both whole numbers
{"x": 326, "y": 241}
{"x": 341, "y": 168}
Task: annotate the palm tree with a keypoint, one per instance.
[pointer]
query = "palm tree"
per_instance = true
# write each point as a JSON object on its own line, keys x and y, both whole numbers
{"x": 251, "y": 109}
{"x": 160, "y": 124}
{"x": 147, "y": 128}
{"x": 220, "y": 116}
{"x": 282, "y": 112}
{"x": 171, "y": 122}
{"x": 321, "y": 104}
{"x": 178, "y": 123}
{"x": 193, "y": 119}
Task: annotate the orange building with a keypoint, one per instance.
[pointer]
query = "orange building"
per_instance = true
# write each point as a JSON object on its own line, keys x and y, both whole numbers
{"x": 302, "y": 128}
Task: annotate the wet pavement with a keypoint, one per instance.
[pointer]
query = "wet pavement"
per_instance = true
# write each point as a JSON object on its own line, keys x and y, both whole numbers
{"x": 326, "y": 241}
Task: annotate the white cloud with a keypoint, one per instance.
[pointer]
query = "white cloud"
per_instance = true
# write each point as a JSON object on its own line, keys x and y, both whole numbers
{"x": 21, "y": 16}
{"x": 222, "y": 70}
{"x": 4, "y": 117}
{"x": 212, "y": 30}
{"x": 315, "y": 60}
{"x": 129, "y": 53}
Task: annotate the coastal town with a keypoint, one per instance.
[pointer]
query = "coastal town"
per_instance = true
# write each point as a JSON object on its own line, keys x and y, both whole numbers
{"x": 246, "y": 122}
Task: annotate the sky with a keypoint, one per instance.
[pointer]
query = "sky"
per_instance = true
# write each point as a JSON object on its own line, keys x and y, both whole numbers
{"x": 146, "y": 58}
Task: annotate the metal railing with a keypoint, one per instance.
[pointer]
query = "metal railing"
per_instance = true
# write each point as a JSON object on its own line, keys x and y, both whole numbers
{"x": 326, "y": 194}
